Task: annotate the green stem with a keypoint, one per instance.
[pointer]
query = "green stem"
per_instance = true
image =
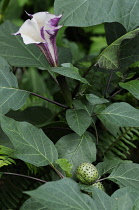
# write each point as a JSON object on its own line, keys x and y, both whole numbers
{"x": 57, "y": 171}
{"x": 65, "y": 90}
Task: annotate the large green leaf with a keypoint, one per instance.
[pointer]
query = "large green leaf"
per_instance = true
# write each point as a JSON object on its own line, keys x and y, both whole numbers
{"x": 77, "y": 149}
{"x": 62, "y": 195}
{"x": 32, "y": 204}
{"x": 11, "y": 97}
{"x": 125, "y": 198}
{"x": 126, "y": 175}
{"x": 91, "y": 12}
{"x": 108, "y": 166}
{"x": 101, "y": 199}
{"x": 30, "y": 143}
{"x": 78, "y": 120}
{"x": 69, "y": 71}
{"x": 16, "y": 52}
{"x": 120, "y": 54}
{"x": 4, "y": 140}
{"x": 120, "y": 114}
{"x": 132, "y": 86}
{"x": 123, "y": 203}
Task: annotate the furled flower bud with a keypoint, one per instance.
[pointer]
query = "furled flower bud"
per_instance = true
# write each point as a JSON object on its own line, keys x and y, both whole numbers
{"x": 87, "y": 173}
{"x": 41, "y": 30}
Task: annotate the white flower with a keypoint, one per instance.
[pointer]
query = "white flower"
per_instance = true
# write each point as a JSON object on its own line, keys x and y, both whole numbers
{"x": 41, "y": 30}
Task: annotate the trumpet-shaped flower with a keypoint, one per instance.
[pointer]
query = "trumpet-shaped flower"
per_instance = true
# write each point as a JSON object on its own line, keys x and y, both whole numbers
{"x": 41, "y": 30}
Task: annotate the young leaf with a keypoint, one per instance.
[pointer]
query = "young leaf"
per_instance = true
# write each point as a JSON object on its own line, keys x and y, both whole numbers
{"x": 62, "y": 195}
{"x": 30, "y": 143}
{"x": 11, "y": 96}
{"x": 77, "y": 149}
{"x": 120, "y": 114}
{"x": 68, "y": 70}
{"x": 78, "y": 120}
{"x": 132, "y": 86}
{"x": 126, "y": 175}
{"x": 117, "y": 54}
{"x": 93, "y": 99}
{"x": 65, "y": 165}
{"x": 87, "y": 13}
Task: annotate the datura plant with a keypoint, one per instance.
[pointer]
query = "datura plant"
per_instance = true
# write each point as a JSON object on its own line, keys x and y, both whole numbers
{"x": 41, "y": 30}
{"x": 69, "y": 109}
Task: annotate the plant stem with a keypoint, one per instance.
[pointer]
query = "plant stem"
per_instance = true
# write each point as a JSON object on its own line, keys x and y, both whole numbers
{"x": 49, "y": 100}
{"x": 99, "y": 180}
{"x": 58, "y": 172}
{"x": 65, "y": 90}
{"x": 108, "y": 84}
{"x": 118, "y": 91}
{"x": 84, "y": 75}
{"x": 25, "y": 176}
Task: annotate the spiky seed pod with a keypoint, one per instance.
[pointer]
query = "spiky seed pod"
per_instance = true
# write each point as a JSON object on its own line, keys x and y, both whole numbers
{"x": 87, "y": 173}
{"x": 99, "y": 185}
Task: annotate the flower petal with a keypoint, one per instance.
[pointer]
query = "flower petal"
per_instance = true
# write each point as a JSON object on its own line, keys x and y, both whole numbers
{"x": 45, "y": 17}
{"x": 30, "y": 32}
{"x": 54, "y": 21}
{"x": 52, "y": 31}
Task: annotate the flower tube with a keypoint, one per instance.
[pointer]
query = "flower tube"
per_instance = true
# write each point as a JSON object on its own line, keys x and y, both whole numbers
{"x": 41, "y": 30}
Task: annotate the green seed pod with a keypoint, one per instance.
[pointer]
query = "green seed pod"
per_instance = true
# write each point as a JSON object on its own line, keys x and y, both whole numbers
{"x": 99, "y": 185}
{"x": 87, "y": 173}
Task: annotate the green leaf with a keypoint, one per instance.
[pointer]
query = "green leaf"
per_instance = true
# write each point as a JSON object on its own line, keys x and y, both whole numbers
{"x": 16, "y": 52}
{"x": 62, "y": 195}
{"x": 4, "y": 140}
{"x": 124, "y": 191}
{"x": 101, "y": 199}
{"x": 132, "y": 86}
{"x": 78, "y": 120}
{"x": 120, "y": 114}
{"x": 65, "y": 165}
{"x": 83, "y": 104}
{"x": 30, "y": 143}
{"x": 68, "y": 70}
{"x": 126, "y": 175}
{"x": 11, "y": 96}
{"x": 123, "y": 203}
{"x": 89, "y": 12}
{"x": 77, "y": 149}
{"x": 108, "y": 166}
{"x": 120, "y": 53}
{"x": 32, "y": 204}
{"x": 93, "y": 99}
{"x": 64, "y": 54}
